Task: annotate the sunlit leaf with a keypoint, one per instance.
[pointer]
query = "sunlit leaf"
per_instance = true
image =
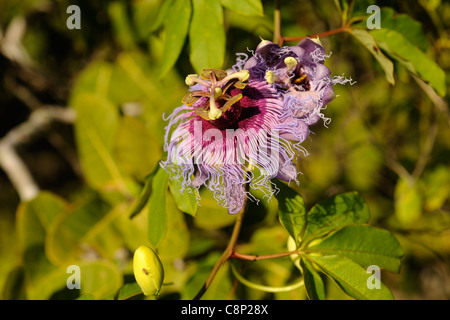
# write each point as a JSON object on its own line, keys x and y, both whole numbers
{"x": 292, "y": 210}
{"x": 176, "y": 26}
{"x": 95, "y": 131}
{"x": 101, "y": 279}
{"x": 411, "y": 29}
{"x": 136, "y": 150}
{"x": 210, "y": 214}
{"x": 396, "y": 45}
{"x": 186, "y": 200}
{"x": 65, "y": 237}
{"x": 157, "y": 208}
{"x": 128, "y": 291}
{"x": 350, "y": 277}
{"x": 175, "y": 243}
{"x": 207, "y": 35}
{"x": 408, "y": 202}
{"x": 34, "y": 219}
{"x": 314, "y": 286}
{"x": 363, "y": 244}
{"x": 367, "y": 40}
{"x": 335, "y": 212}
{"x": 246, "y": 7}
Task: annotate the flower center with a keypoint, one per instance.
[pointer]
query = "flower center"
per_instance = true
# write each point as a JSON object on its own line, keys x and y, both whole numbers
{"x": 291, "y": 78}
{"x": 216, "y": 100}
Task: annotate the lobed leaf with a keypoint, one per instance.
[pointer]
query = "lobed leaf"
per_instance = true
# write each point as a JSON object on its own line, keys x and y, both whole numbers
{"x": 368, "y": 41}
{"x": 350, "y": 277}
{"x": 398, "y": 47}
{"x": 363, "y": 244}
{"x": 335, "y": 212}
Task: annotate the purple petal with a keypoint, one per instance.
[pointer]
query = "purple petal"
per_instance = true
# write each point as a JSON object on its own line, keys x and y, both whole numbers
{"x": 310, "y": 48}
{"x": 288, "y": 170}
{"x": 293, "y": 129}
{"x": 235, "y": 197}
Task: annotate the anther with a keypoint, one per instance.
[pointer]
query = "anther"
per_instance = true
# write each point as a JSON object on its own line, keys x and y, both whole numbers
{"x": 192, "y": 79}
{"x": 242, "y": 76}
{"x": 291, "y": 63}
{"x": 271, "y": 78}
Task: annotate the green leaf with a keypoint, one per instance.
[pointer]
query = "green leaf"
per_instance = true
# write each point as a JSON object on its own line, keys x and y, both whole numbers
{"x": 66, "y": 235}
{"x": 136, "y": 149}
{"x": 101, "y": 279}
{"x": 365, "y": 245}
{"x": 416, "y": 61}
{"x": 128, "y": 291}
{"x": 291, "y": 209}
{"x": 435, "y": 187}
{"x": 176, "y": 26}
{"x": 207, "y": 35}
{"x": 210, "y": 214}
{"x": 335, "y": 212}
{"x": 315, "y": 289}
{"x": 34, "y": 219}
{"x": 95, "y": 132}
{"x": 411, "y": 29}
{"x": 118, "y": 16}
{"x": 175, "y": 244}
{"x": 368, "y": 41}
{"x": 186, "y": 200}
{"x": 408, "y": 202}
{"x": 148, "y": 15}
{"x": 350, "y": 277}
{"x": 157, "y": 212}
{"x": 245, "y": 7}
{"x": 144, "y": 195}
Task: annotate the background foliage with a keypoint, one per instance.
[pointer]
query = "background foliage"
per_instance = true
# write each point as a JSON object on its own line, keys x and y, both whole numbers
{"x": 388, "y": 140}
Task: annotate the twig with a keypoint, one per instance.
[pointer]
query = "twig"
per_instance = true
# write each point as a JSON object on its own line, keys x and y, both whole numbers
{"x": 226, "y": 254}
{"x": 317, "y": 35}
{"x": 10, "y": 161}
{"x": 277, "y": 38}
{"x": 237, "y": 255}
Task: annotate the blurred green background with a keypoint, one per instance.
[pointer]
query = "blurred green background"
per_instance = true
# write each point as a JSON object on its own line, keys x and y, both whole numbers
{"x": 125, "y": 67}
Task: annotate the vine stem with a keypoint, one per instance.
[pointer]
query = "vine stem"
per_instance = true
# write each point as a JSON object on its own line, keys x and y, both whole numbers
{"x": 277, "y": 38}
{"x": 228, "y": 252}
{"x": 322, "y": 34}
{"x": 237, "y": 255}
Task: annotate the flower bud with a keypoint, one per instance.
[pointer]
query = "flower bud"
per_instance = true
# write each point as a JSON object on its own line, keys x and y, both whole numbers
{"x": 148, "y": 271}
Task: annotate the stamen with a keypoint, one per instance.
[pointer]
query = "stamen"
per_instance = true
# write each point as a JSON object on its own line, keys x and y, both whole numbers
{"x": 271, "y": 78}
{"x": 214, "y": 112}
{"x": 242, "y": 76}
{"x": 291, "y": 63}
{"x": 192, "y": 79}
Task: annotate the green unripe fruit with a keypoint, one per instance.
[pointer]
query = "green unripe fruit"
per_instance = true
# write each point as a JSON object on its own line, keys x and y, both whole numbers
{"x": 148, "y": 271}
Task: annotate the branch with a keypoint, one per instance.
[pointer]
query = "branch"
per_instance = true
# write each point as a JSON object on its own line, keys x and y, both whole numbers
{"x": 10, "y": 161}
{"x": 227, "y": 253}
{"x": 277, "y": 38}
{"x": 317, "y": 35}
{"x": 237, "y": 255}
